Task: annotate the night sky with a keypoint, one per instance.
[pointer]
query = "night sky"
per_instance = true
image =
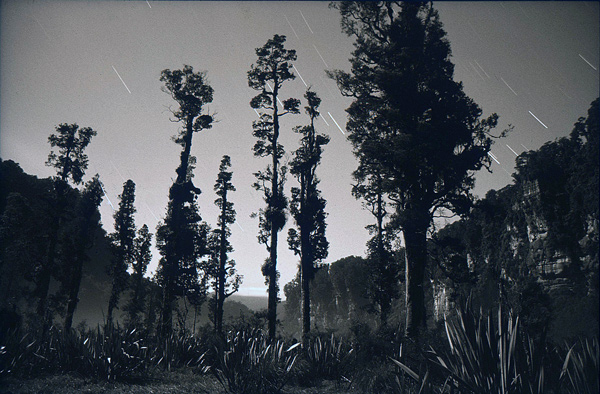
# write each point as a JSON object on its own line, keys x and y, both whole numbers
{"x": 98, "y": 63}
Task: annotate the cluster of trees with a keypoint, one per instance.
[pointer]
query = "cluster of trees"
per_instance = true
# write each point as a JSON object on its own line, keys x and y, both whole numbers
{"x": 194, "y": 257}
{"x": 307, "y": 239}
{"x": 344, "y": 294}
{"x": 418, "y": 139}
{"x": 533, "y": 245}
{"x": 513, "y": 249}
{"x": 47, "y": 236}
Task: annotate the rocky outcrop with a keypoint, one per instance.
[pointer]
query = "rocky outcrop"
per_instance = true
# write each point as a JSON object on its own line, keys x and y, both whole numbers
{"x": 541, "y": 232}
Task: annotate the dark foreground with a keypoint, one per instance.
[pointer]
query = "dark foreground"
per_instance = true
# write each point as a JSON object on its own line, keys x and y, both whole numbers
{"x": 167, "y": 383}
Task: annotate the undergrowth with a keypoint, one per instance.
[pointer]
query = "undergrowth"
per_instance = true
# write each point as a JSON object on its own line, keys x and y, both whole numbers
{"x": 483, "y": 353}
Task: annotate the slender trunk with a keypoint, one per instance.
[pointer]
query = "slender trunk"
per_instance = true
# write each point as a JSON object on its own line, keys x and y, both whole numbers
{"x": 42, "y": 289}
{"x": 384, "y": 299}
{"x": 166, "y": 321}
{"x": 74, "y": 286}
{"x": 272, "y": 303}
{"x": 44, "y": 277}
{"x": 307, "y": 190}
{"x": 305, "y": 303}
{"x": 112, "y": 303}
{"x": 150, "y": 314}
{"x": 86, "y": 241}
{"x": 111, "y": 307}
{"x": 195, "y": 316}
{"x": 185, "y": 154}
{"x": 138, "y": 299}
{"x": 214, "y": 311}
{"x": 305, "y": 260}
{"x": 415, "y": 238}
{"x": 114, "y": 293}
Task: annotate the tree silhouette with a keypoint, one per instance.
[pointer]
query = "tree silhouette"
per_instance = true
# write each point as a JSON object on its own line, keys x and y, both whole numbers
{"x": 384, "y": 266}
{"x": 308, "y": 206}
{"x": 181, "y": 239}
{"x": 141, "y": 258}
{"x": 71, "y": 141}
{"x": 82, "y": 231}
{"x": 23, "y": 243}
{"x": 70, "y": 163}
{"x": 226, "y": 280}
{"x": 267, "y": 75}
{"x": 27, "y": 205}
{"x": 123, "y": 246}
{"x": 411, "y": 118}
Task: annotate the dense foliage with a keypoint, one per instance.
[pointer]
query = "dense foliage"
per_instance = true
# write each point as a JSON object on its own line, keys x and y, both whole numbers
{"x": 182, "y": 237}
{"x": 411, "y": 124}
{"x": 225, "y": 279}
{"x": 307, "y": 239}
{"x": 534, "y": 244}
{"x": 123, "y": 245}
{"x": 513, "y": 286}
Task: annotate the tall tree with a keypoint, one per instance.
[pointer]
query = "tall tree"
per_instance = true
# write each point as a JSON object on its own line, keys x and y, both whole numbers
{"x": 26, "y": 214}
{"x": 411, "y": 118}
{"x": 308, "y": 206}
{"x": 141, "y": 258}
{"x": 82, "y": 231}
{"x": 385, "y": 273}
{"x": 70, "y": 163}
{"x": 181, "y": 239}
{"x": 23, "y": 243}
{"x": 267, "y": 75}
{"x": 123, "y": 246}
{"x": 226, "y": 280}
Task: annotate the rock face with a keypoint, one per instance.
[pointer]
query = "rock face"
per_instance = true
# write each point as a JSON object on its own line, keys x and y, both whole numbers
{"x": 554, "y": 265}
{"x": 538, "y": 236}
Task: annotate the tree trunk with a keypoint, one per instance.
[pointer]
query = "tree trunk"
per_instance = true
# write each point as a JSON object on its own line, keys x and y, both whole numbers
{"x": 305, "y": 300}
{"x": 138, "y": 299}
{"x": 172, "y": 258}
{"x": 74, "y": 286}
{"x": 384, "y": 299}
{"x": 166, "y": 321}
{"x": 44, "y": 277}
{"x": 415, "y": 238}
{"x": 42, "y": 289}
{"x": 272, "y": 303}
{"x": 185, "y": 154}
{"x": 305, "y": 259}
{"x": 112, "y": 303}
{"x": 150, "y": 313}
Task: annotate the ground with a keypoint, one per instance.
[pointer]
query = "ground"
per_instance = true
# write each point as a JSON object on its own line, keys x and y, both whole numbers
{"x": 166, "y": 383}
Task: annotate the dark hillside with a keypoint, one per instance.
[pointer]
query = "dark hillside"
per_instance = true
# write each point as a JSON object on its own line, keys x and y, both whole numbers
{"x": 532, "y": 244}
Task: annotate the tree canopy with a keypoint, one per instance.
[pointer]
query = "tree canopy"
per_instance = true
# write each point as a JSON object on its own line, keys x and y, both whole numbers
{"x": 411, "y": 122}
{"x": 267, "y": 75}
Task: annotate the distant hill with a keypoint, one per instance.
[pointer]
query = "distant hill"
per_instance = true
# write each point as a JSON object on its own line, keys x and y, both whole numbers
{"x": 254, "y": 303}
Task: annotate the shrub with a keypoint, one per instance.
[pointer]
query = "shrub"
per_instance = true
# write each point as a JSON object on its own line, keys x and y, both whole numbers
{"x": 323, "y": 358}
{"x": 247, "y": 362}
{"x": 493, "y": 357}
{"x": 580, "y": 369}
{"x": 107, "y": 354}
